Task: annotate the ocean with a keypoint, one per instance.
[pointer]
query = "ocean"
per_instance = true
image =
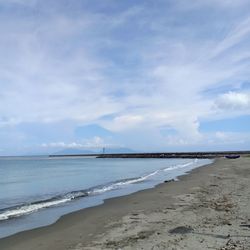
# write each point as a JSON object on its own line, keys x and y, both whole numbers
{"x": 37, "y": 191}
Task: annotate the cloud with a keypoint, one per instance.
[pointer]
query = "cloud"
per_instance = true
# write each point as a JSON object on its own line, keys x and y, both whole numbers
{"x": 234, "y": 37}
{"x": 22, "y": 2}
{"x": 95, "y": 142}
{"x": 233, "y": 138}
{"x": 8, "y": 121}
{"x": 125, "y": 66}
{"x": 233, "y": 101}
{"x": 125, "y": 122}
{"x": 41, "y": 66}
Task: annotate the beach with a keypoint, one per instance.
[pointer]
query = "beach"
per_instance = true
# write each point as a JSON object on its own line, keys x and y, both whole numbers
{"x": 209, "y": 208}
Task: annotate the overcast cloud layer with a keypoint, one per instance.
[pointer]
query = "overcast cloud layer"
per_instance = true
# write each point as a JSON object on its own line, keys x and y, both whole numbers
{"x": 150, "y": 75}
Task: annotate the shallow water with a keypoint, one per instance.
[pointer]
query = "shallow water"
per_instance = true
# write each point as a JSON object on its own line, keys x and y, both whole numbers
{"x": 36, "y": 191}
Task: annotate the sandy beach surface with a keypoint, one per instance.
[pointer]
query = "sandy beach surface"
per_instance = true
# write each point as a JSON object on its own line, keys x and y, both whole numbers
{"x": 207, "y": 209}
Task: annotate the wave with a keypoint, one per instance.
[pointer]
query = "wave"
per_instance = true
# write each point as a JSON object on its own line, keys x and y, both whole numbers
{"x": 174, "y": 167}
{"x": 24, "y": 209}
{"x": 27, "y": 208}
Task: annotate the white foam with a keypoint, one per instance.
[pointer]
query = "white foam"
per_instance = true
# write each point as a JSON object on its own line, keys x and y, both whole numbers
{"x": 27, "y": 209}
{"x": 122, "y": 183}
{"x": 179, "y": 166}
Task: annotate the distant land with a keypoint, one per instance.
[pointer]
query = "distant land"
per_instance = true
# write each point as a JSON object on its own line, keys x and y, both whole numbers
{"x": 69, "y": 151}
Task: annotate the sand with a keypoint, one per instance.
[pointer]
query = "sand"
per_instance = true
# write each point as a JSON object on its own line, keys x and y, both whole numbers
{"x": 206, "y": 209}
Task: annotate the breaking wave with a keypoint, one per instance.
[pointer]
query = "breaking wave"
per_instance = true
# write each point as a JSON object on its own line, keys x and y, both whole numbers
{"x": 27, "y": 208}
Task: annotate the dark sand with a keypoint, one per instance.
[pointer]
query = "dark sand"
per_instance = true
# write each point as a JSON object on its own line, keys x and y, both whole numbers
{"x": 207, "y": 209}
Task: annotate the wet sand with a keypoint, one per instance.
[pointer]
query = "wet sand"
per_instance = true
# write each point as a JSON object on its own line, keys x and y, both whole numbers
{"x": 207, "y": 209}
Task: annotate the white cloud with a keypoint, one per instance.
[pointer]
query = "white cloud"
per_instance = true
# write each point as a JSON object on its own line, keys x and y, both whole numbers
{"x": 23, "y": 2}
{"x": 222, "y": 4}
{"x": 145, "y": 67}
{"x": 235, "y": 36}
{"x": 8, "y": 121}
{"x": 125, "y": 122}
{"x": 233, "y": 138}
{"x": 233, "y": 101}
{"x": 221, "y": 135}
{"x": 95, "y": 142}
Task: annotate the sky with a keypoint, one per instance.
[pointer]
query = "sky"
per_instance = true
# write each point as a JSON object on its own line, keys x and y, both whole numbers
{"x": 150, "y": 75}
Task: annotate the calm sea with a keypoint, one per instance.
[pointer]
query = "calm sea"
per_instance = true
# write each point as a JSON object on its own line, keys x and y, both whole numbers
{"x": 36, "y": 191}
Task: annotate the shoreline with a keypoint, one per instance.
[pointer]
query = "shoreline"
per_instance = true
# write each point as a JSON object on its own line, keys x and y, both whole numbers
{"x": 79, "y": 198}
{"x": 96, "y": 227}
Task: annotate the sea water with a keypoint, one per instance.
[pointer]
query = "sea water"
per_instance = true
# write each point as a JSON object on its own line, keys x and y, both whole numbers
{"x": 36, "y": 191}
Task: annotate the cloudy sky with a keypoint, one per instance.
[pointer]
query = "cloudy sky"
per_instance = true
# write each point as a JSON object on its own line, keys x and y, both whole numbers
{"x": 151, "y": 75}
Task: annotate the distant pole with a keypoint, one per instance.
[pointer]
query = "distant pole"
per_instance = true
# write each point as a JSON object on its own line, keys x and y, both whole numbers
{"x": 103, "y": 150}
